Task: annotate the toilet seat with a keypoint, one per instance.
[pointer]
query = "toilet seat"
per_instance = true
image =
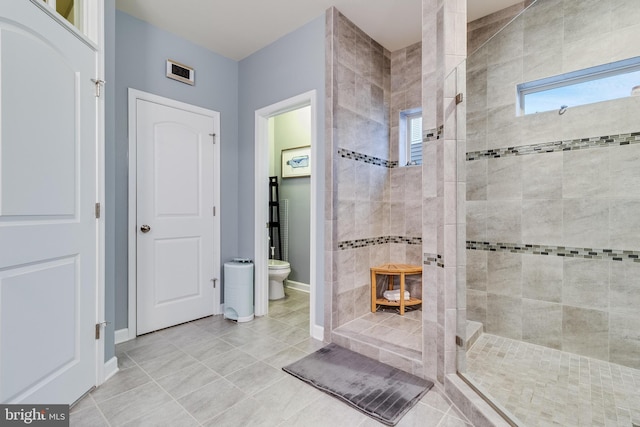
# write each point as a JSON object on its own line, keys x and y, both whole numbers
{"x": 276, "y": 264}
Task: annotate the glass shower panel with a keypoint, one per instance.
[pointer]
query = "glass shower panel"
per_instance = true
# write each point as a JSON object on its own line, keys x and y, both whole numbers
{"x": 552, "y": 236}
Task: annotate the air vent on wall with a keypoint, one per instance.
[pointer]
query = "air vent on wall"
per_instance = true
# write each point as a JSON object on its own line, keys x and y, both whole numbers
{"x": 181, "y": 72}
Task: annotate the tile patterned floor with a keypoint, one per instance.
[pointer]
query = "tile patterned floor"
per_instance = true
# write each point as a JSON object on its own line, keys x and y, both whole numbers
{"x": 404, "y": 331}
{"x": 215, "y": 372}
{"x": 547, "y": 387}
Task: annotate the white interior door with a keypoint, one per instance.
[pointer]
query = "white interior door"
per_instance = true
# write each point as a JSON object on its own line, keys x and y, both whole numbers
{"x": 47, "y": 197}
{"x": 175, "y": 215}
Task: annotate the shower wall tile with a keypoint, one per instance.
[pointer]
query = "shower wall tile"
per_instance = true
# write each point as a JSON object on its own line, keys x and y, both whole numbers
{"x": 586, "y": 174}
{"x": 542, "y": 222}
{"x": 476, "y": 224}
{"x": 536, "y": 66}
{"x": 504, "y": 178}
{"x": 481, "y": 30}
{"x": 542, "y": 176}
{"x": 362, "y": 181}
{"x": 413, "y": 217}
{"x": 542, "y": 278}
{"x": 624, "y": 339}
{"x": 345, "y": 312}
{"x": 397, "y": 184}
{"x": 346, "y": 220}
{"x": 362, "y": 274}
{"x": 624, "y": 13}
{"x": 624, "y": 223}
{"x": 504, "y": 274}
{"x": 362, "y": 300}
{"x": 363, "y": 218}
{"x": 477, "y": 270}
{"x": 576, "y": 57}
{"x": 502, "y": 130}
{"x": 624, "y": 42}
{"x": 345, "y": 269}
{"x": 476, "y": 130}
{"x": 624, "y": 181}
{"x": 477, "y": 85}
{"x": 586, "y": 20}
{"x": 346, "y": 37}
{"x": 508, "y": 44}
{"x": 504, "y": 316}
{"x": 397, "y": 219}
{"x": 624, "y": 288}
{"x": 502, "y": 77}
{"x": 504, "y": 221}
{"x": 542, "y": 323}
{"x": 477, "y": 306}
{"x": 586, "y": 283}
{"x": 543, "y": 27}
{"x": 586, "y": 332}
{"x": 541, "y": 127}
{"x": 586, "y": 222}
{"x": 347, "y": 86}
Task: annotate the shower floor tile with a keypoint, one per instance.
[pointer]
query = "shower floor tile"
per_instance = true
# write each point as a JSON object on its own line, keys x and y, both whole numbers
{"x": 545, "y": 387}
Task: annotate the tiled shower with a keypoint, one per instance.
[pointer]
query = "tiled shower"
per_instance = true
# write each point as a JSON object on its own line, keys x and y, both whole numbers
{"x": 377, "y": 203}
{"x": 553, "y": 200}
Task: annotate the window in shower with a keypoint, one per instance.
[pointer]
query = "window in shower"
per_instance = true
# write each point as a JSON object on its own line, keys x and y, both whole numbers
{"x": 602, "y": 83}
{"x": 411, "y": 137}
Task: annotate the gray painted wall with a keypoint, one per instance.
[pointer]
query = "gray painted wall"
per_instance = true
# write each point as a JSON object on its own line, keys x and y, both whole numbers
{"x": 288, "y": 67}
{"x": 292, "y": 130}
{"x": 141, "y": 51}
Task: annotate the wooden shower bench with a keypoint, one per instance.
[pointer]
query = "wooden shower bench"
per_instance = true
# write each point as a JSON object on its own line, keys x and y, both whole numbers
{"x": 391, "y": 270}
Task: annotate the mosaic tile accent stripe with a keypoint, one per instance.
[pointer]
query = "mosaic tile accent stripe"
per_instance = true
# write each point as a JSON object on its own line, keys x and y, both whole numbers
{"x": 432, "y": 134}
{"x": 554, "y": 146}
{"x": 359, "y": 157}
{"x": 562, "y": 251}
{"x": 433, "y": 259}
{"x": 373, "y": 241}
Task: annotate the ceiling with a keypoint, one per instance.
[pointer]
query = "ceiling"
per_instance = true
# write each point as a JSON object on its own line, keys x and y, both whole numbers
{"x": 238, "y": 28}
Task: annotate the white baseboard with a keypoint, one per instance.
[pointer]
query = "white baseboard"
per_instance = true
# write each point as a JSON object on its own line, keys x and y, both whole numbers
{"x": 110, "y": 368}
{"x": 317, "y": 332}
{"x": 121, "y": 335}
{"x": 303, "y": 287}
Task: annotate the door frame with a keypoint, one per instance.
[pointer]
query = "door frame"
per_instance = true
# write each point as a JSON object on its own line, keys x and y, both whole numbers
{"x": 261, "y": 189}
{"x": 135, "y": 95}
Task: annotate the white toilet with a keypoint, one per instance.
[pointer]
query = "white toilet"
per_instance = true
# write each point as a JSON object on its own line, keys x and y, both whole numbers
{"x": 278, "y": 272}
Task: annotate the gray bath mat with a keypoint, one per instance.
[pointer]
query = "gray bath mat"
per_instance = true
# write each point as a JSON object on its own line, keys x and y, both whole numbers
{"x": 380, "y": 391}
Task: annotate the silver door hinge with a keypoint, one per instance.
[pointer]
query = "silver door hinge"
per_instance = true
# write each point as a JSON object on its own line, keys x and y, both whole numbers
{"x": 214, "y": 211}
{"x": 215, "y": 281}
{"x": 97, "y": 210}
{"x": 99, "y": 83}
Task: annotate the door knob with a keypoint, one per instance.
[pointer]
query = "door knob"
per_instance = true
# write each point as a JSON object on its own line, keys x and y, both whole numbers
{"x": 145, "y": 228}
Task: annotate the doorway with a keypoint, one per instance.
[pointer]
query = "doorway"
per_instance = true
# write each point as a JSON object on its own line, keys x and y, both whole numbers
{"x": 261, "y": 242}
{"x": 174, "y": 227}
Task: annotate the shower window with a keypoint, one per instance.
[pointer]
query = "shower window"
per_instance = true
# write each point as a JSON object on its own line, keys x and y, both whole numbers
{"x": 411, "y": 137}
{"x": 602, "y": 83}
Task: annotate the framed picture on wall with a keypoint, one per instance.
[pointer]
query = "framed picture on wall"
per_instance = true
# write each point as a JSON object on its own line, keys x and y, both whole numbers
{"x": 296, "y": 162}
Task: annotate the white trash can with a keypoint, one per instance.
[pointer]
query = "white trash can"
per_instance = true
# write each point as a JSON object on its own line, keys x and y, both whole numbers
{"x": 238, "y": 290}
